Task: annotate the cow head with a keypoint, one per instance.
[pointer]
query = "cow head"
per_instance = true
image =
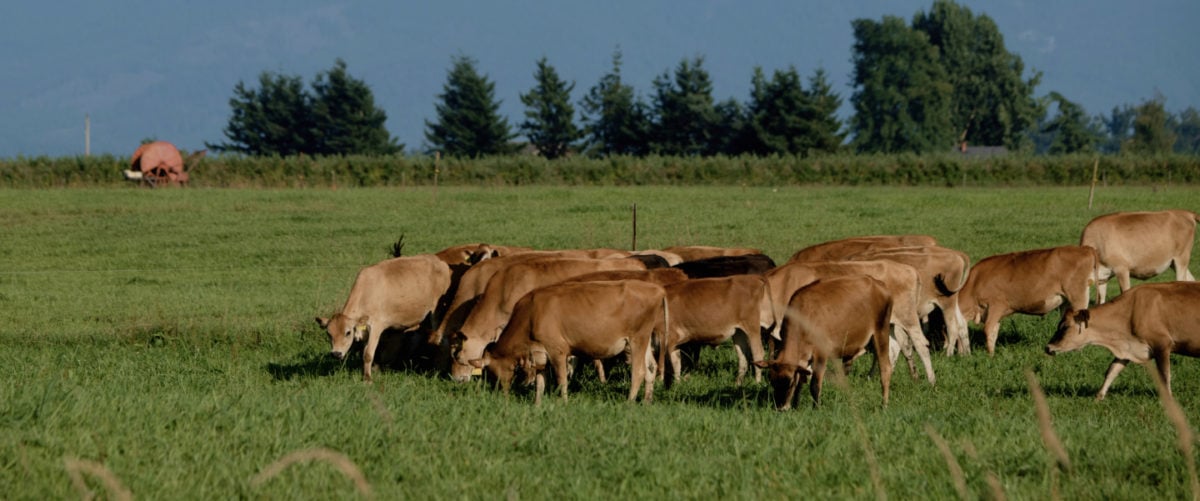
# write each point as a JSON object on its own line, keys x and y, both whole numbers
{"x": 500, "y": 369}
{"x": 343, "y": 332}
{"x": 1069, "y": 335}
{"x": 785, "y": 379}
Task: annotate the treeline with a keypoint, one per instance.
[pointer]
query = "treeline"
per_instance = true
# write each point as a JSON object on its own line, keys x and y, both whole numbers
{"x": 940, "y": 81}
{"x": 947, "y": 170}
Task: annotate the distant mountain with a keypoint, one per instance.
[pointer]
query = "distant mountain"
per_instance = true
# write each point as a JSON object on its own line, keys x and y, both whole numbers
{"x": 165, "y": 71}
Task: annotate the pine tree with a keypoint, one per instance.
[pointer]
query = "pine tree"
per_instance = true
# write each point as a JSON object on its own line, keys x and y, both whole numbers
{"x": 468, "y": 119}
{"x": 827, "y": 135}
{"x": 275, "y": 119}
{"x": 615, "y": 120}
{"x": 685, "y": 117}
{"x": 345, "y": 116}
{"x": 549, "y": 116}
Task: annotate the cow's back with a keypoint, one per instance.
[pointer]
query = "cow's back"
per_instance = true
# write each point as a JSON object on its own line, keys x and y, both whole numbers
{"x": 1142, "y": 242}
{"x": 834, "y": 313}
{"x": 1024, "y": 279}
{"x": 841, "y": 249}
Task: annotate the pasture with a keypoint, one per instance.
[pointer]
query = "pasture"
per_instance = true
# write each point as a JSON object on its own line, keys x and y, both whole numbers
{"x": 168, "y": 337}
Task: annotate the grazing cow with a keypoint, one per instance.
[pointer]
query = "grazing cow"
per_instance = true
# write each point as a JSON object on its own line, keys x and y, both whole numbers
{"x": 903, "y": 284}
{"x": 475, "y": 280}
{"x": 943, "y": 272}
{"x": 598, "y": 320}
{"x": 1033, "y": 282}
{"x": 711, "y": 311}
{"x": 697, "y": 252}
{"x": 1141, "y": 245}
{"x": 724, "y": 266}
{"x": 399, "y": 293}
{"x": 486, "y": 320}
{"x": 1150, "y": 321}
{"x": 835, "y": 250}
{"x": 828, "y": 320}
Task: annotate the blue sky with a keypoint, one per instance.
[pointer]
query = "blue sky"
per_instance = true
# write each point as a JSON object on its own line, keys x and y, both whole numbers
{"x": 166, "y": 69}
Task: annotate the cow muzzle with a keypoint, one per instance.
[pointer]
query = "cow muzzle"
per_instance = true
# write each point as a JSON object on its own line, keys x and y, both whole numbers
{"x": 337, "y": 355}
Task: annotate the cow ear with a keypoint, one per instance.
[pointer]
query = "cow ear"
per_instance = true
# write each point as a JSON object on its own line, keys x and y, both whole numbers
{"x": 323, "y": 322}
{"x": 1082, "y": 317}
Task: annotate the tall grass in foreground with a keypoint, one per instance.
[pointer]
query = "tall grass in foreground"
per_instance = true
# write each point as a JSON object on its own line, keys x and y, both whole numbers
{"x": 167, "y": 337}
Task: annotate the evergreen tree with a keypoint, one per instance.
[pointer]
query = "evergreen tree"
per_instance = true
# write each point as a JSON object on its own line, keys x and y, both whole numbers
{"x": 549, "y": 116}
{"x": 686, "y": 120}
{"x": 468, "y": 119}
{"x": 615, "y": 120}
{"x": 779, "y": 110}
{"x": 345, "y": 117}
{"x": 275, "y": 119}
{"x": 991, "y": 104}
{"x": 903, "y": 97}
{"x": 826, "y": 134}
{"x": 1069, "y": 130}
{"x": 1150, "y": 132}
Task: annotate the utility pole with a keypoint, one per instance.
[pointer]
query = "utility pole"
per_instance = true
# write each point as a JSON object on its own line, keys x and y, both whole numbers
{"x": 87, "y": 135}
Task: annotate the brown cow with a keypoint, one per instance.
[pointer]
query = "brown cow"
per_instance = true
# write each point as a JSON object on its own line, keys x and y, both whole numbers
{"x": 830, "y": 319}
{"x": 943, "y": 272}
{"x": 399, "y": 293}
{"x": 1141, "y": 245}
{"x": 473, "y": 253}
{"x": 697, "y": 252}
{"x": 903, "y": 284}
{"x": 1150, "y": 321}
{"x": 475, "y": 280}
{"x": 598, "y": 320}
{"x": 835, "y": 250}
{"x": 1033, "y": 282}
{"x": 486, "y": 320}
{"x": 713, "y": 310}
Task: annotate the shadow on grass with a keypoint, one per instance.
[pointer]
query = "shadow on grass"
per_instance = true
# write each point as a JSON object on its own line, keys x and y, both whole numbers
{"x": 405, "y": 352}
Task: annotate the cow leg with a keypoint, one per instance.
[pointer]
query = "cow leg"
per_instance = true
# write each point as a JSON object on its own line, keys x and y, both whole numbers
{"x": 599, "y": 364}
{"x": 744, "y": 356}
{"x": 1113, "y": 369}
{"x": 991, "y": 326}
{"x": 905, "y": 344}
{"x": 540, "y": 385}
{"x": 369, "y": 353}
{"x": 964, "y": 333}
{"x": 648, "y": 377}
{"x": 751, "y": 349}
{"x": 885, "y": 365}
{"x": 818, "y": 377}
{"x": 1182, "y": 274}
{"x": 636, "y": 356}
{"x": 1123, "y": 280}
{"x": 921, "y": 344}
{"x": 560, "y": 372}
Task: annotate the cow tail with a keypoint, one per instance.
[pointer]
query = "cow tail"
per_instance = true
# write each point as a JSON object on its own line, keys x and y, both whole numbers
{"x": 1095, "y": 268}
{"x": 662, "y": 339}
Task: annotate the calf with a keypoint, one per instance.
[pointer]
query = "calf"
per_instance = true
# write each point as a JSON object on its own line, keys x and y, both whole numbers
{"x": 830, "y": 319}
{"x": 486, "y": 320}
{"x": 598, "y": 320}
{"x": 903, "y": 285}
{"x": 710, "y": 311}
{"x": 1141, "y": 245}
{"x": 1033, "y": 282}
{"x": 1150, "y": 321}
{"x": 835, "y": 250}
{"x": 400, "y": 293}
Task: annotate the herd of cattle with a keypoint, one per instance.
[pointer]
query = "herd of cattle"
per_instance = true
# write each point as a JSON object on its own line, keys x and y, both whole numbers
{"x": 510, "y": 310}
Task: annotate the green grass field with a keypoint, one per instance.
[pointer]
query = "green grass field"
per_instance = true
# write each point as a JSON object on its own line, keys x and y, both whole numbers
{"x": 168, "y": 336}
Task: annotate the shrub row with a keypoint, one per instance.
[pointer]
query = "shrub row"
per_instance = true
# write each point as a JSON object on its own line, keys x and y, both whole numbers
{"x": 897, "y": 170}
